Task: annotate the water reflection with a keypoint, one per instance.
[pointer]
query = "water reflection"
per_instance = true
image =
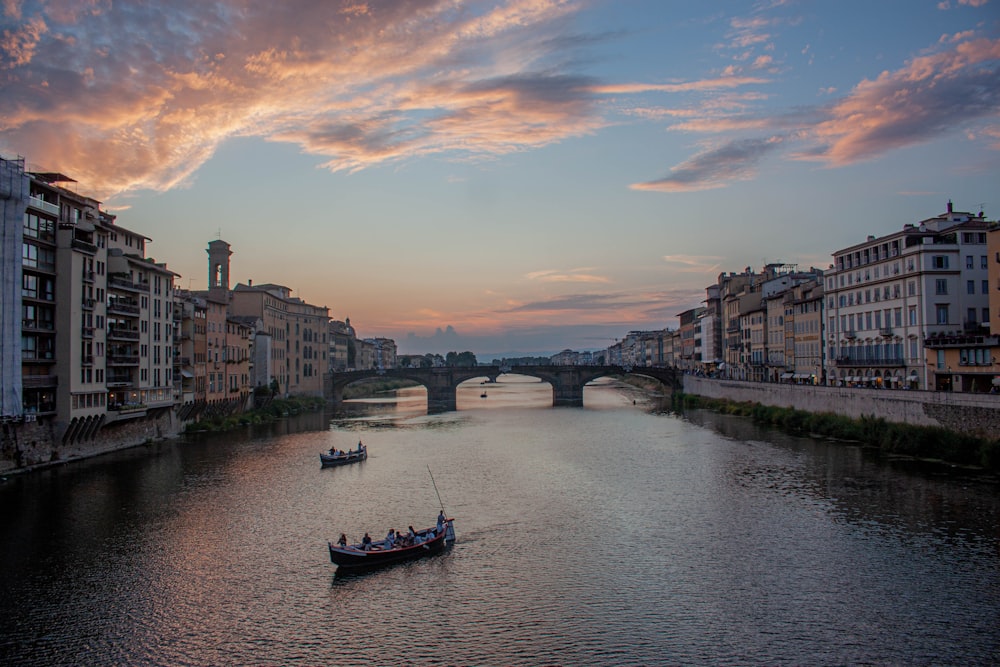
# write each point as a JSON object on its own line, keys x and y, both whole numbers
{"x": 612, "y": 534}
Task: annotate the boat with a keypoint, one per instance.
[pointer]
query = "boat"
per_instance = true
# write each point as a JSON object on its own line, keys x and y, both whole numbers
{"x": 482, "y": 395}
{"x": 335, "y": 458}
{"x": 430, "y": 541}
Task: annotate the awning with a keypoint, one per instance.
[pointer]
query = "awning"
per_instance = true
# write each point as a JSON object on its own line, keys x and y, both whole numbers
{"x": 187, "y": 374}
{"x": 785, "y": 376}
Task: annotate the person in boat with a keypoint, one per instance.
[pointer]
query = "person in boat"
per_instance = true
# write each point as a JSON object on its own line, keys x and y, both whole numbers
{"x": 411, "y": 536}
{"x": 390, "y": 539}
{"x": 342, "y": 542}
{"x": 441, "y": 520}
{"x": 366, "y": 542}
{"x": 360, "y": 446}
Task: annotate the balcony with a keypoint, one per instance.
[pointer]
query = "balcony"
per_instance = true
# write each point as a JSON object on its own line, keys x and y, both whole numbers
{"x": 122, "y": 306}
{"x": 39, "y": 381}
{"x": 42, "y": 205}
{"x": 43, "y": 357}
{"x": 857, "y": 362}
{"x": 86, "y": 247}
{"x": 119, "y": 282}
{"x": 87, "y": 360}
{"x": 850, "y": 334}
{"x": 88, "y": 304}
{"x": 86, "y": 332}
{"x": 123, "y": 360}
{"x": 88, "y": 276}
{"x": 119, "y": 412}
{"x": 885, "y": 332}
{"x": 37, "y": 325}
{"x": 122, "y": 333}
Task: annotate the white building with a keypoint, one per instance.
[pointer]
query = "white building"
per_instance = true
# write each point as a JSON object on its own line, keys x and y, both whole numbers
{"x": 885, "y": 296}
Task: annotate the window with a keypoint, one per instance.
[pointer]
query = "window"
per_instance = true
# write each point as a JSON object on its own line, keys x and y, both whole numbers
{"x": 939, "y": 261}
{"x": 969, "y": 261}
{"x": 942, "y": 313}
{"x": 986, "y": 287}
{"x": 913, "y": 315}
{"x": 983, "y": 263}
{"x": 940, "y": 358}
{"x": 970, "y": 286}
{"x": 941, "y": 286}
{"x": 970, "y": 315}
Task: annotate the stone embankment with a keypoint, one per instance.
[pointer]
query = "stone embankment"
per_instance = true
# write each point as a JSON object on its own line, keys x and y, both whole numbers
{"x": 971, "y": 414}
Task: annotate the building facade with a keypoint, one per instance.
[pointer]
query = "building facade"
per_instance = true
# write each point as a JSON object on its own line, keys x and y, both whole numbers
{"x": 886, "y": 296}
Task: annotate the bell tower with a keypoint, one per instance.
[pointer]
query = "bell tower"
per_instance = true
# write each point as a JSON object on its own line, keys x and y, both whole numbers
{"x": 218, "y": 269}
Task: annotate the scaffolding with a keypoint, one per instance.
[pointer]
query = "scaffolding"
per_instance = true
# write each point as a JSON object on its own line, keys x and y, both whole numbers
{"x": 14, "y": 190}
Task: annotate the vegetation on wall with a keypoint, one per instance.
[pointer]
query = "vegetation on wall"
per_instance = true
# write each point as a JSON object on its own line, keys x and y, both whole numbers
{"x": 278, "y": 408}
{"x": 924, "y": 442}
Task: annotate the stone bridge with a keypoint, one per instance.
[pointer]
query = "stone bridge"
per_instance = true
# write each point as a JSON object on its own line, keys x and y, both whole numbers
{"x": 442, "y": 383}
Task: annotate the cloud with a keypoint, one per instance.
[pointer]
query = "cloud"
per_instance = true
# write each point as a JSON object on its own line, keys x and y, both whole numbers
{"x": 711, "y": 84}
{"x": 953, "y": 90}
{"x": 572, "y": 276}
{"x": 716, "y": 167}
{"x": 693, "y": 263}
{"x": 931, "y": 96}
{"x": 136, "y": 95}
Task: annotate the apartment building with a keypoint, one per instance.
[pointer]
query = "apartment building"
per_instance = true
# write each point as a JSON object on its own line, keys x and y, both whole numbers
{"x": 690, "y": 323}
{"x": 298, "y": 333}
{"x": 777, "y": 317}
{"x": 384, "y": 352}
{"x": 969, "y": 361}
{"x": 804, "y": 331}
{"x": 93, "y": 313}
{"x": 886, "y": 296}
{"x": 343, "y": 347}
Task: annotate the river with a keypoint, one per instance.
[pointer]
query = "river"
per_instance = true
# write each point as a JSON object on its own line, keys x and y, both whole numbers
{"x": 613, "y": 534}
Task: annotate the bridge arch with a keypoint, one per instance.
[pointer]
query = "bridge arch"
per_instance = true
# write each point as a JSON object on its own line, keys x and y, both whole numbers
{"x": 442, "y": 383}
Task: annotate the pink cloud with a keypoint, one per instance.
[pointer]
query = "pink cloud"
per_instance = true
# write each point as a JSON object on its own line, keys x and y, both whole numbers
{"x": 930, "y": 96}
{"x": 358, "y": 83}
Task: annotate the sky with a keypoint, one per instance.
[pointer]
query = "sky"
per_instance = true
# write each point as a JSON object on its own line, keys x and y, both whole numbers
{"x": 508, "y": 177}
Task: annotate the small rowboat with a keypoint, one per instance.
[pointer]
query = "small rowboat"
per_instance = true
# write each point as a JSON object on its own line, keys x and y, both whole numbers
{"x": 329, "y": 459}
{"x": 428, "y": 542}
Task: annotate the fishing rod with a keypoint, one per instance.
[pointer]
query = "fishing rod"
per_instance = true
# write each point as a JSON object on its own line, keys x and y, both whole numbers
{"x": 436, "y": 488}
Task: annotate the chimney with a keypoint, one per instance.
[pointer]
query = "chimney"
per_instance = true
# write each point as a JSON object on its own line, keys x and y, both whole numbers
{"x": 949, "y": 206}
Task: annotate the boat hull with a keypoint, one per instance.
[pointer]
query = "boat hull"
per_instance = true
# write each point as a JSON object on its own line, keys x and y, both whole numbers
{"x": 353, "y": 558}
{"x": 329, "y": 460}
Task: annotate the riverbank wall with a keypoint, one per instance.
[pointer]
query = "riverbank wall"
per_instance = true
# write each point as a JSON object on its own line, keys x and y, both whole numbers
{"x": 972, "y": 414}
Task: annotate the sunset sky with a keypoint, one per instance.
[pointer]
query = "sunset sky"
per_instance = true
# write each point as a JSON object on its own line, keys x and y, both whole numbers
{"x": 507, "y": 176}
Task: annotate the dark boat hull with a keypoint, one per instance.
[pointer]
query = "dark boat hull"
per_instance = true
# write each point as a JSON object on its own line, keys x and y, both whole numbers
{"x": 355, "y": 559}
{"x": 329, "y": 461}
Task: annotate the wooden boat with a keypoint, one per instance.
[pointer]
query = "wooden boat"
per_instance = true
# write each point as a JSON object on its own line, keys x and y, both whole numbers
{"x": 428, "y": 542}
{"x": 329, "y": 459}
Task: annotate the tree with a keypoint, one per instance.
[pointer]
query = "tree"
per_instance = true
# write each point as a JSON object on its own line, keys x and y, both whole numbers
{"x": 462, "y": 359}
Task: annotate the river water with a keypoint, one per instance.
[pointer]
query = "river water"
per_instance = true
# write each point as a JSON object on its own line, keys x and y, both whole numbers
{"x": 613, "y": 534}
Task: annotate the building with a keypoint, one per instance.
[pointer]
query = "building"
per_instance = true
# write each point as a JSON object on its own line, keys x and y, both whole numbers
{"x": 298, "y": 332}
{"x": 94, "y": 315}
{"x": 804, "y": 347}
{"x": 886, "y": 296}
{"x": 385, "y": 352}
{"x": 27, "y": 326}
{"x": 343, "y": 345}
{"x": 688, "y": 357}
{"x": 969, "y": 361}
